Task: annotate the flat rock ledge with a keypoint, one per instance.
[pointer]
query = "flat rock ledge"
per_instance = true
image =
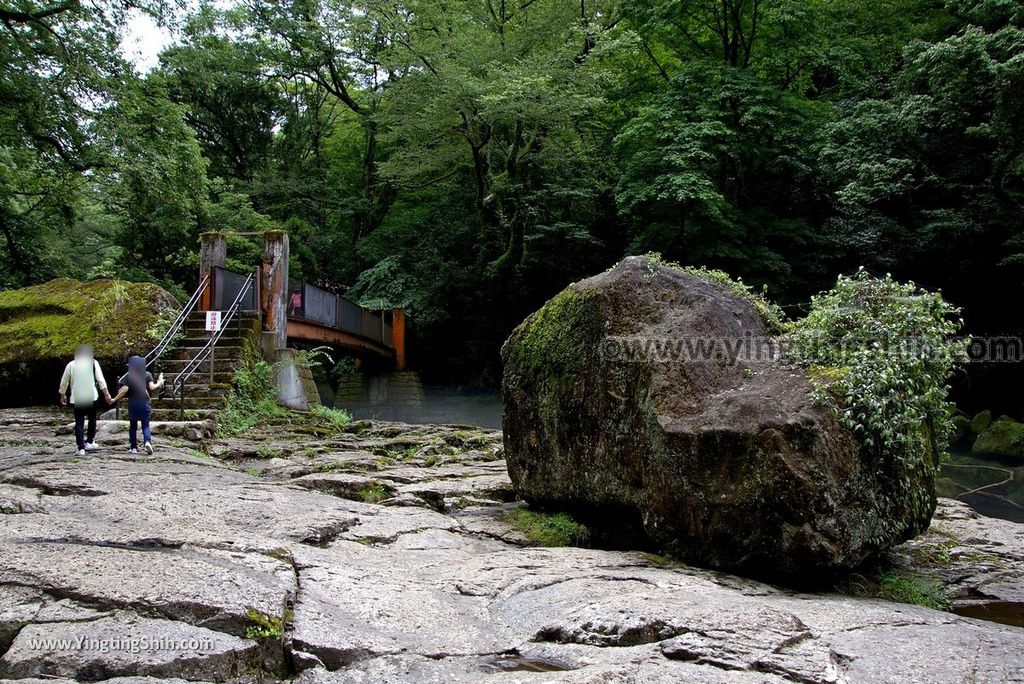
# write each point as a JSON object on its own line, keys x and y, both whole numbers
{"x": 385, "y": 555}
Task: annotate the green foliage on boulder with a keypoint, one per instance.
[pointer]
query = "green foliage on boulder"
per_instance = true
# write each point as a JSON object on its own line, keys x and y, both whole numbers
{"x": 1004, "y": 438}
{"x": 771, "y": 314}
{"x": 895, "y": 347}
{"x": 892, "y": 349}
{"x": 49, "y": 320}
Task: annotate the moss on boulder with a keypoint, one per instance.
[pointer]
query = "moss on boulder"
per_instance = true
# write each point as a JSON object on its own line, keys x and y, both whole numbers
{"x": 981, "y": 422}
{"x": 40, "y": 326}
{"x": 1004, "y": 438}
{"x": 961, "y": 428}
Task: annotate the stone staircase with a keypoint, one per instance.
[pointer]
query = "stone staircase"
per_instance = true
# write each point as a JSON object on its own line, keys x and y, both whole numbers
{"x": 204, "y": 393}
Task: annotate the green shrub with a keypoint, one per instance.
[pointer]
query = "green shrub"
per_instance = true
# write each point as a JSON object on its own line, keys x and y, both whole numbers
{"x": 902, "y": 587}
{"x": 907, "y": 588}
{"x": 253, "y": 396}
{"x": 547, "y": 529}
{"x": 337, "y": 419}
{"x": 315, "y": 358}
{"x": 880, "y": 353}
{"x": 263, "y": 626}
{"x": 374, "y": 493}
{"x": 162, "y": 323}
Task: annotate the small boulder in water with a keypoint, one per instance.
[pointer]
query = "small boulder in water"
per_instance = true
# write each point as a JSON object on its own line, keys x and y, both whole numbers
{"x": 981, "y": 421}
{"x": 1004, "y": 438}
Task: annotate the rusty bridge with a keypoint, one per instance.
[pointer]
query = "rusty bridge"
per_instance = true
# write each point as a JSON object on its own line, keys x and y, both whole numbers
{"x": 294, "y": 311}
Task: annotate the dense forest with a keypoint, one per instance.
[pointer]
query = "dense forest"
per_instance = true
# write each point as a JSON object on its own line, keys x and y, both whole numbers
{"x": 468, "y": 159}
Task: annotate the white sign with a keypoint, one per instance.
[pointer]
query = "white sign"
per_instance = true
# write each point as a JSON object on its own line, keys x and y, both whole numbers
{"x": 212, "y": 321}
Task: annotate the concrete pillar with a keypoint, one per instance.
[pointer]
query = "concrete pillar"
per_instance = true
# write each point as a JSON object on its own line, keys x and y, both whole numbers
{"x": 398, "y": 337}
{"x": 274, "y": 288}
{"x": 213, "y": 250}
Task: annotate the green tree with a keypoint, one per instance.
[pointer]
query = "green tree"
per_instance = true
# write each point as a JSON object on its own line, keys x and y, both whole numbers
{"x": 929, "y": 178}
{"x": 61, "y": 69}
{"x": 157, "y": 185}
{"x": 230, "y": 103}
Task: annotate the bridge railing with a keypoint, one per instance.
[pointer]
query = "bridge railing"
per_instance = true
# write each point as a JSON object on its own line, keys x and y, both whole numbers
{"x": 336, "y": 311}
{"x": 314, "y": 304}
{"x": 226, "y": 287}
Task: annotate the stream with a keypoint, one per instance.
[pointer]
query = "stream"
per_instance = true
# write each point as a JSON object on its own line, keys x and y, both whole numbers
{"x": 992, "y": 487}
{"x": 438, "y": 405}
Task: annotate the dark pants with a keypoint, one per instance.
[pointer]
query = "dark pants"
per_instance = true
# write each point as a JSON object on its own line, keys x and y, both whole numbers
{"x": 81, "y": 413}
{"x": 139, "y": 412}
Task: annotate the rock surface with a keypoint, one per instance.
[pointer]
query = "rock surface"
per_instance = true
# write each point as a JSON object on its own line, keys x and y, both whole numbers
{"x": 384, "y": 555}
{"x": 729, "y": 464}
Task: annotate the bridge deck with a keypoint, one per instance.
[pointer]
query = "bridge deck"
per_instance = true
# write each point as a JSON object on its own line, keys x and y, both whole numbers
{"x": 312, "y": 331}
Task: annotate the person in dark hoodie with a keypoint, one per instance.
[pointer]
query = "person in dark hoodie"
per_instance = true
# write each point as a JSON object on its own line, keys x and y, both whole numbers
{"x": 137, "y": 383}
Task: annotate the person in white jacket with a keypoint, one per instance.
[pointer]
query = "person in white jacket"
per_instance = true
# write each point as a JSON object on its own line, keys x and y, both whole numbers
{"x": 82, "y": 376}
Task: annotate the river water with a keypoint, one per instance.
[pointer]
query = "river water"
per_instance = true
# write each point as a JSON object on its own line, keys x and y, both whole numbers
{"x": 991, "y": 487}
{"x": 439, "y": 406}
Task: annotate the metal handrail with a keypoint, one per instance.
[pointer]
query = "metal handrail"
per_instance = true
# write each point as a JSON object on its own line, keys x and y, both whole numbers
{"x": 175, "y": 328}
{"x": 193, "y": 365}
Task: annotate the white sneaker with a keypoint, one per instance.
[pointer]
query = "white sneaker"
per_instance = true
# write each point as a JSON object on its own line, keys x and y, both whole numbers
{"x": 80, "y": 452}
{"x": 92, "y": 446}
{"x": 133, "y": 451}
{"x": 148, "y": 447}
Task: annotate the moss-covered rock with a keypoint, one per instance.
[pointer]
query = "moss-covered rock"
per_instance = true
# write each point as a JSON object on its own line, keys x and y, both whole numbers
{"x": 961, "y": 428}
{"x": 613, "y": 413}
{"x": 1004, "y": 438}
{"x": 981, "y": 421}
{"x": 40, "y": 327}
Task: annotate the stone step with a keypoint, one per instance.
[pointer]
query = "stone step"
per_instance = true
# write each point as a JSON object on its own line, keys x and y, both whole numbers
{"x": 194, "y": 323}
{"x": 197, "y": 330}
{"x": 175, "y": 366}
{"x": 200, "y": 389}
{"x": 198, "y": 338}
{"x": 191, "y": 414}
{"x": 187, "y": 351}
{"x": 190, "y": 402}
{"x": 222, "y": 376}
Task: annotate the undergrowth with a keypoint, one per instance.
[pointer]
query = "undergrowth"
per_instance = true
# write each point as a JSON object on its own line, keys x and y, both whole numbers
{"x": 337, "y": 419}
{"x": 263, "y": 626}
{"x": 547, "y": 529}
{"x": 253, "y": 396}
{"x": 880, "y": 353}
{"x": 899, "y": 586}
{"x": 374, "y": 493}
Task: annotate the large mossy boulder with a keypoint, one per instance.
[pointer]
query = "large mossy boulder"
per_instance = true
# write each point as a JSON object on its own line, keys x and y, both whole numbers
{"x": 1003, "y": 438}
{"x": 41, "y": 326}
{"x": 733, "y": 465}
